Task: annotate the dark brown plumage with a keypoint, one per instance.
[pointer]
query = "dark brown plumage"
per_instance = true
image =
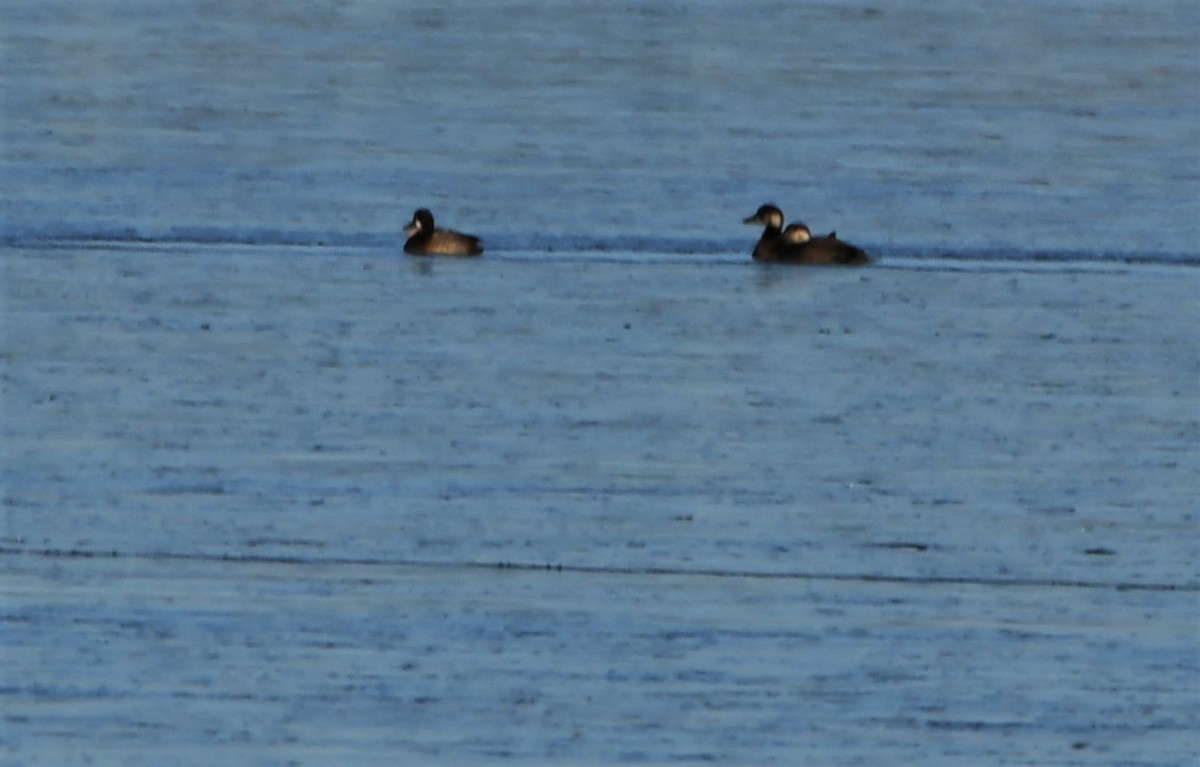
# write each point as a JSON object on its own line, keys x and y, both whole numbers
{"x": 800, "y": 247}
{"x": 796, "y": 245}
{"x": 426, "y": 240}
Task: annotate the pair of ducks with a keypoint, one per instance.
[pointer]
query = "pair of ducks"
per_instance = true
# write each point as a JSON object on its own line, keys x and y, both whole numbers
{"x": 796, "y": 244}
{"x": 793, "y": 245}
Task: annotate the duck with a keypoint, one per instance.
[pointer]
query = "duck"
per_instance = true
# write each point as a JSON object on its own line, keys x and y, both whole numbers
{"x": 796, "y": 245}
{"x": 769, "y": 245}
{"x": 426, "y": 240}
{"x": 799, "y": 246}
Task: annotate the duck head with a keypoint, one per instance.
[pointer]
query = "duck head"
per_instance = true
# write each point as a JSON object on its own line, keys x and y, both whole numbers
{"x": 422, "y": 221}
{"x": 796, "y": 234}
{"x": 767, "y": 215}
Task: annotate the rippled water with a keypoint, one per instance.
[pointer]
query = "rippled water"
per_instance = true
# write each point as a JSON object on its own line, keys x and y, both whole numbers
{"x": 273, "y": 493}
{"x": 909, "y": 126}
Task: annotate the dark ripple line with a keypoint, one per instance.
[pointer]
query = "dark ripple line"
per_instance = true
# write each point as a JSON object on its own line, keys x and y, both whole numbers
{"x": 566, "y": 246}
{"x": 869, "y": 578}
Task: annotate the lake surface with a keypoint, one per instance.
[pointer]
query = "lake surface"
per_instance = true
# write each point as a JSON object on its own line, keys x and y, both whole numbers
{"x": 915, "y": 125}
{"x": 274, "y": 493}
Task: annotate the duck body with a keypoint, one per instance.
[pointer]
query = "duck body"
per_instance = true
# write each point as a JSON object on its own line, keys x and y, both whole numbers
{"x": 424, "y": 239}
{"x": 796, "y": 245}
{"x": 800, "y": 247}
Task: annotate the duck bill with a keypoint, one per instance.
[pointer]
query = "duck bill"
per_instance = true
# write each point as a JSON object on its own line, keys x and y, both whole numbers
{"x": 412, "y": 229}
{"x": 751, "y": 220}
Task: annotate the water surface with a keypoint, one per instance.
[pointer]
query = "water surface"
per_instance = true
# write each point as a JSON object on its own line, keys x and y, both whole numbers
{"x": 274, "y": 493}
{"x": 1025, "y": 126}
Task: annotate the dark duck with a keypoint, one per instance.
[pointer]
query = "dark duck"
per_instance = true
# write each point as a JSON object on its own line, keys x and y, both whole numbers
{"x": 796, "y": 245}
{"x": 426, "y": 240}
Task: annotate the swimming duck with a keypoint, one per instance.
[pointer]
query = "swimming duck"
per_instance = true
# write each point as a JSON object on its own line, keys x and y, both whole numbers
{"x": 771, "y": 219}
{"x": 799, "y": 246}
{"x": 425, "y": 240}
{"x": 796, "y": 245}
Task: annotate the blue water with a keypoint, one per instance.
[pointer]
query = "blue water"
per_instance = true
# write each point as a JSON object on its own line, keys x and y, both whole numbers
{"x": 913, "y": 128}
{"x": 273, "y": 493}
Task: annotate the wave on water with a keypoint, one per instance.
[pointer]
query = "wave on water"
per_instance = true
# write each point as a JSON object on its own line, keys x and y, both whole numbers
{"x": 75, "y": 236}
{"x": 624, "y": 248}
